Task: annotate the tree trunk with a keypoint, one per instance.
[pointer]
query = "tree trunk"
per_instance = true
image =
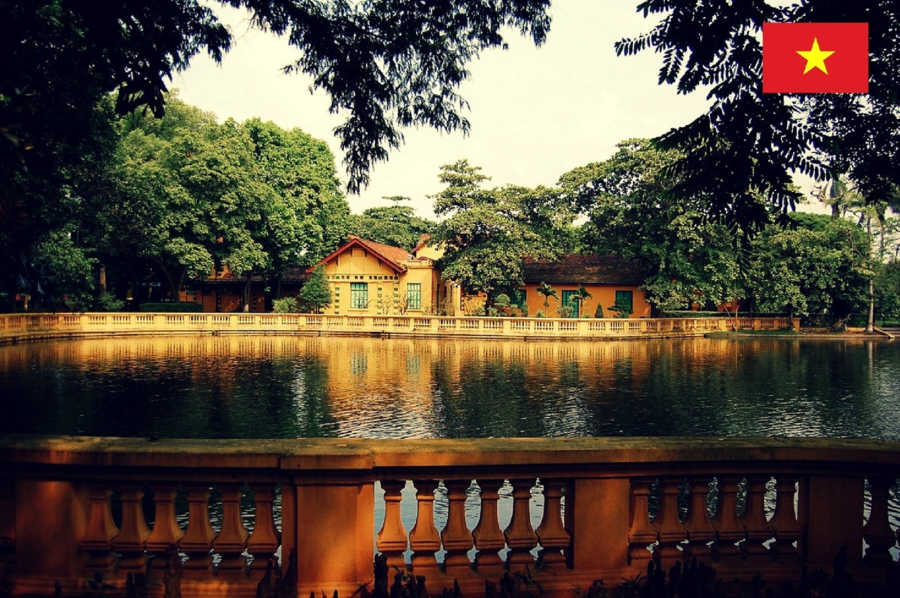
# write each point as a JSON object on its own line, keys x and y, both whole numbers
{"x": 173, "y": 288}
{"x": 870, "y": 324}
{"x": 102, "y": 278}
{"x": 181, "y": 277}
{"x": 246, "y": 293}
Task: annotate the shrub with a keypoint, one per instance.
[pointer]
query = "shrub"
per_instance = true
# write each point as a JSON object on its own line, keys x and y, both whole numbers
{"x": 316, "y": 292}
{"x": 285, "y": 305}
{"x": 524, "y": 310}
{"x": 479, "y": 311}
{"x": 171, "y": 306}
{"x": 540, "y": 314}
{"x": 108, "y": 302}
{"x": 598, "y": 313}
{"x": 565, "y": 311}
{"x": 501, "y": 300}
{"x": 493, "y": 312}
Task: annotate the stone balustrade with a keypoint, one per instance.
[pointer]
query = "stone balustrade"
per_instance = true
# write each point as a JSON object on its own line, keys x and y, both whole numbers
{"x": 21, "y": 326}
{"x": 465, "y": 510}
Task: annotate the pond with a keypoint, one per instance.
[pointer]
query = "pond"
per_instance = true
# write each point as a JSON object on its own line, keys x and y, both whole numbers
{"x": 286, "y": 387}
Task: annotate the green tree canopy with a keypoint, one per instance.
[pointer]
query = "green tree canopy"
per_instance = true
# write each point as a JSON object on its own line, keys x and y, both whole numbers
{"x": 816, "y": 266}
{"x": 194, "y": 194}
{"x": 316, "y": 293}
{"x": 395, "y": 225}
{"x": 487, "y": 233}
{"x": 635, "y": 209}
{"x": 749, "y": 140}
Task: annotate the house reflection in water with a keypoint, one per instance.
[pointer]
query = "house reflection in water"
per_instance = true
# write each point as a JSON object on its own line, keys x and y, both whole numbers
{"x": 288, "y": 386}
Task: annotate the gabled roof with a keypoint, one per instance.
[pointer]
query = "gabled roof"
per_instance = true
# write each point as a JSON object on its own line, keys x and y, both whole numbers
{"x": 394, "y": 257}
{"x": 422, "y": 242}
{"x": 585, "y": 269}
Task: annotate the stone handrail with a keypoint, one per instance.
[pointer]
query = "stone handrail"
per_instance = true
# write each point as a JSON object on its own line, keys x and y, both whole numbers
{"x": 591, "y": 506}
{"x": 24, "y": 326}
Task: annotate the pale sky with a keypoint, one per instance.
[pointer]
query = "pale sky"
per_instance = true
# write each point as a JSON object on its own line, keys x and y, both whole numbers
{"x": 536, "y": 113}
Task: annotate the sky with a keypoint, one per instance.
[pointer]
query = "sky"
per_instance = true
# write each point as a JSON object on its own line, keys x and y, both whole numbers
{"x": 535, "y": 112}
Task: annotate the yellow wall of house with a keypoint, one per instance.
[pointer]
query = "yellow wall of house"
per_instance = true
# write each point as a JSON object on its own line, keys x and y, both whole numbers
{"x": 432, "y": 253}
{"x": 360, "y": 266}
{"x": 423, "y": 275}
{"x": 604, "y": 295}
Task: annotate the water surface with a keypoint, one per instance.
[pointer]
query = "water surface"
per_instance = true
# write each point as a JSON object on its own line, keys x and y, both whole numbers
{"x": 286, "y": 387}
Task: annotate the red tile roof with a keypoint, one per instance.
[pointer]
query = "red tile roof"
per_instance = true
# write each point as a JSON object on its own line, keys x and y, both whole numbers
{"x": 585, "y": 269}
{"x": 394, "y": 257}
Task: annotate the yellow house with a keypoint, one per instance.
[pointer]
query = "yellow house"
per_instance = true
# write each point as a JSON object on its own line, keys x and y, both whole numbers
{"x": 610, "y": 280}
{"x": 369, "y": 278}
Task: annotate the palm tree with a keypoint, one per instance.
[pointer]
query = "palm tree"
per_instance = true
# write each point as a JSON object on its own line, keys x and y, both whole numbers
{"x": 547, "y": 291}
{"x": 580, "y": 295}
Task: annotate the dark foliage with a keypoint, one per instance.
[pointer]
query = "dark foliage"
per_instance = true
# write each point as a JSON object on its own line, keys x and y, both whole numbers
{"x": 750, "y": 140}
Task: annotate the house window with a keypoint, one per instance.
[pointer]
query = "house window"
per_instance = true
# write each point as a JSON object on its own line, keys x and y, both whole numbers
{"x": 625, "y": 301}
{"x": 521, "y": 297}
{"x": 359, "y": 295}
{"x": 569, "y": 299}
{"x": 414, "y": 295}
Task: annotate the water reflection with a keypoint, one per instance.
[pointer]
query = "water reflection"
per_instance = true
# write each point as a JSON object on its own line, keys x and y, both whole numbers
{"x": 283, "y": 387}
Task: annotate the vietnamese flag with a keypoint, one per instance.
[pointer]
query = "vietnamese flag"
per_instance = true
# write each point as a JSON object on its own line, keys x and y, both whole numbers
{"x": 815, "y": 58}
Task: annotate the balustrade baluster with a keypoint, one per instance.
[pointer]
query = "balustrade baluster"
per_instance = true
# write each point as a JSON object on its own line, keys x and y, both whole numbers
{"x": 198, "y": 539}
{"x": 456, "y": 537}
{"x": 392, "y": 538}
{"x": 489, "y": 538}
{"x": 100, "y": 531}
{"x": 232, "y": 536}
{"x": 520, "y": 536}
{"x": 755, "y": 524}
{"x": 641, "y": 532}
{"x": 424, "y": 539}
{"x": 785, "y": 527}
{"x": 134, "y": 531}
{"x": 877, "y": 531}
{"x": 671, "y": 532}
{"x": 165, "y": 532}
{"x": 699, "y": 527}
{"x": 551, "y": 533}
{"x": 729, "y": 530}
{"x": 263, "y": 543}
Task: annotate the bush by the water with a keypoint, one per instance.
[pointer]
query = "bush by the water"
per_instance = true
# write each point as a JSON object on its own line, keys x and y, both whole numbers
{"x": 285, "y": 305}
{"x": 171, "y": 306}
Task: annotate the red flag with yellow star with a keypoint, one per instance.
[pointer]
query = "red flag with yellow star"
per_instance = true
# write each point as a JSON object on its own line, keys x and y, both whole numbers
{"x": 815, "y": 58}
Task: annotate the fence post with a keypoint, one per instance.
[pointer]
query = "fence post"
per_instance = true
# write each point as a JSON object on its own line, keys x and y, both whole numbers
{"x": 833, "y": 516}
{"x": 597, "y": 520}
{"x": 329, "y": 523}
{"x": 51, "y": 519}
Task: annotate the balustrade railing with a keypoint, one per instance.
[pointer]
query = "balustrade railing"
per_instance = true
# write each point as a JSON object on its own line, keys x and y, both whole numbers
{"x": 39, "y": 326}
{"x": 570, "y": 511}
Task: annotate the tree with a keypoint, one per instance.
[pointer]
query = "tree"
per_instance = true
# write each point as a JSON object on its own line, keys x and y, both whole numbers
{"x": 580, "y": 295}
{"x": 305, "y": 215}
{"x": 316, "y": 291}
{"x": 388, "y": 64}
{"x": 487, "y": 233}
{"x": 193, "y": 194}
{"x": 748, "y": 140}
{"x": 547, "y": 291}
{"x": 816, "y": 266}
{"x": 635, "y": 210}
{"x": 395, "y": 225}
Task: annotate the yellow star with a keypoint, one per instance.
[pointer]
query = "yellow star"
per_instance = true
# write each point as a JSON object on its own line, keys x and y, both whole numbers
{"x": 815, "y": 58}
